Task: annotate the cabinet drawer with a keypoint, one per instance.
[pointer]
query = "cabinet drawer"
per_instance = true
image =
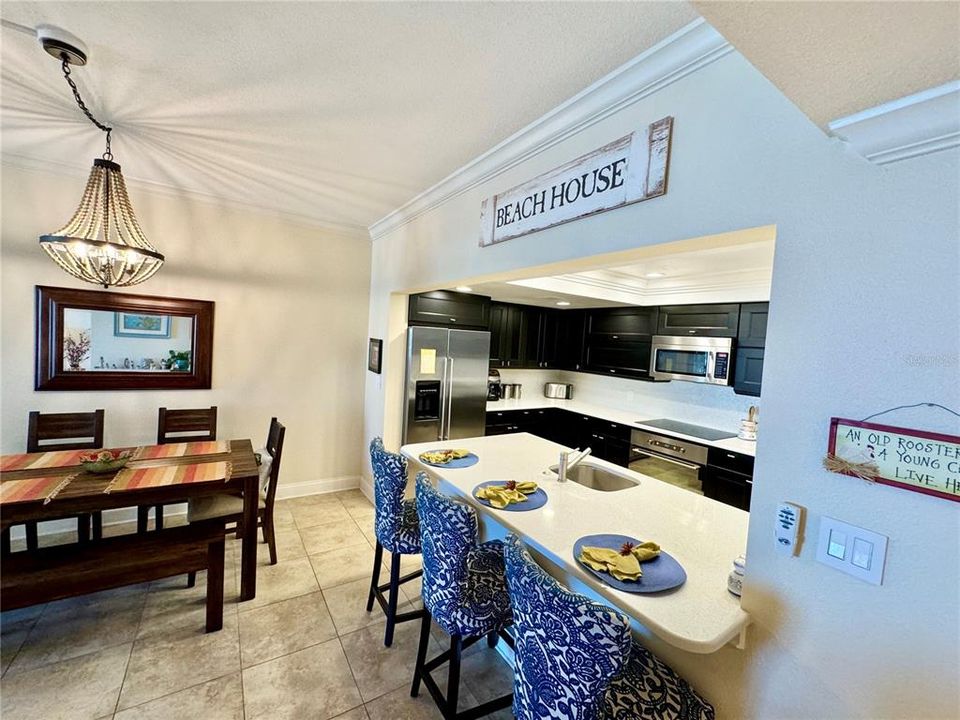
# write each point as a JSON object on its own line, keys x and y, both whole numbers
{"x": 611, "y": 430}
{"x": 728, "y": 460}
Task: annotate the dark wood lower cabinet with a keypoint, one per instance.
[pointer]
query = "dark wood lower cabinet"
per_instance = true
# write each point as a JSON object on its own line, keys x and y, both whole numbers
{"x": 608, "y": 441}
{"x": 727, "y": 487}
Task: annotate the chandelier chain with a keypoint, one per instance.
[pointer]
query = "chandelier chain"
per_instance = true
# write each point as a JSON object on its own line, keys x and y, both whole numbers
{"x": 107, "y": 155}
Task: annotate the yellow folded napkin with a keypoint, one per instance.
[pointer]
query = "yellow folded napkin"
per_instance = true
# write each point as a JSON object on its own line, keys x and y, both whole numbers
{"x": 510, "y": 492}
{"x": 441, "y": 457}
{"x": 623, "y": 564}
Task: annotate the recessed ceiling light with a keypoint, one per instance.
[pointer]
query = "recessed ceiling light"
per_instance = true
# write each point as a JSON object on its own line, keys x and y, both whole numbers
{"x": 562, "y": 303}
{"x": 463, "y": 288}
{"x": 654, "y": 275}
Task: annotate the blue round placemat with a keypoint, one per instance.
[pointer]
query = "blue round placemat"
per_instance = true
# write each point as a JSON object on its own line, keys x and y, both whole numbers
{"x": 463, "y": 462}
{"x": 661, "y": 573}
{"x": 535, "y": 499}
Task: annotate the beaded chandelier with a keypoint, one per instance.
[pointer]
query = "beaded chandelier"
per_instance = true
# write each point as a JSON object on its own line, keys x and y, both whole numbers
{"x": 103, "y": 243}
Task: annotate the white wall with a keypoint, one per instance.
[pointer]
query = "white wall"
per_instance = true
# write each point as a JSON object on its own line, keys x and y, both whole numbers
{"x": 289, "y": 326}
{"x": 865, "y": 279}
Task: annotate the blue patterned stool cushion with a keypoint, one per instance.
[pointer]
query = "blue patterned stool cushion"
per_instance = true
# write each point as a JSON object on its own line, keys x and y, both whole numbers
{"x": 649, "y": 689}
{"x": 464, "y": 587}
{"x": 568, "y": 648}
{"x": 396, "y": 523}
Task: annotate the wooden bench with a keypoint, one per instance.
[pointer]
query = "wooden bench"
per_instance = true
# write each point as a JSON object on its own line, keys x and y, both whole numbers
{"x": 47, "y": 574}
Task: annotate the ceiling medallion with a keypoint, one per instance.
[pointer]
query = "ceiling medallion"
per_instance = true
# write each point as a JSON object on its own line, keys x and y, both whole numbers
{"x": 102, "y": 243}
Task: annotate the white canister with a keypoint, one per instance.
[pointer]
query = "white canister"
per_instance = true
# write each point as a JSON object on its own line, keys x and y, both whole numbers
{"x": 735, "y": 580}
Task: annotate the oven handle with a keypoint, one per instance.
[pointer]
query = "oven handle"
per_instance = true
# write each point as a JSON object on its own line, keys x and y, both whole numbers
{"x": 635, "y": 451}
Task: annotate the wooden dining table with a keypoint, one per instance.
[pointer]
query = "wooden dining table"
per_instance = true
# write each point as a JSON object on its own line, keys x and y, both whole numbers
{"x": 87, "y": 492}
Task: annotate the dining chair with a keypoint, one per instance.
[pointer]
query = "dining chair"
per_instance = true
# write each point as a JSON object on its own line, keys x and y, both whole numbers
{"x": 230, "y": 507}
{"x": 398, "y": 531}
{"x": 576, "y": 659}
{"x": 176, "y": 426}
{"x": 66, "y": 431}
{"x": 464, "y": 591}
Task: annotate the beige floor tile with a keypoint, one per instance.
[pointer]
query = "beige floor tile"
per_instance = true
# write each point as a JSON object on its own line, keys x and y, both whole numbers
{"x": 83, "y": 625}
{"x": 319, "y": 514}
{"x": 312, "y": 683}
{"x": 82, "y": 688}
{"x": 353, "y": 499}
{"x": 220, "y": 699}
{"x": 408, "y": 563}
{"x": 284, "y": 627}
{"x": 10, "y": 644}
{"x": 364, "y": 518}
{"x": 347, "y": 604}
{"x": 486, "y": 673}
{"x": 161, "y": 666}
{"x": 398, "y": 705}
{"x": 289, "y": 546}
{"x": 378, "y": 669}
{"x": 282, "y": 581}
{"x": 173, "y": 608}
{"x": 358, "y": 713}
{"x": 341, "y": 566}
{"x": 15, "y": 625}
{"x": 331, "y": 536}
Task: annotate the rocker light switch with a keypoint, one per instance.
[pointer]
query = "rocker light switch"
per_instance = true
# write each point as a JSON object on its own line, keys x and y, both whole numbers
{"x": 854, "y": 550}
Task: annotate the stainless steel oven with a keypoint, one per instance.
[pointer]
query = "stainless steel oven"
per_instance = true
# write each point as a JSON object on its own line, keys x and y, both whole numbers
{"x": 694, "y": 359}
{"x": 667, "y": 459}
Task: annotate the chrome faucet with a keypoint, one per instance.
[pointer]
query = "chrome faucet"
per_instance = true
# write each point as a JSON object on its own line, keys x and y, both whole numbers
{"x": 568, "y": 463}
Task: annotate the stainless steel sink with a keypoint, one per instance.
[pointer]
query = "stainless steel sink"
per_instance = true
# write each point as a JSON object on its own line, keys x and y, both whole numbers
{"x": 597, "y": 478}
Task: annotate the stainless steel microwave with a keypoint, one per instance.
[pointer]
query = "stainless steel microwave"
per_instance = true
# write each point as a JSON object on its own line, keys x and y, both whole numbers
{"x": 694, "y": 359}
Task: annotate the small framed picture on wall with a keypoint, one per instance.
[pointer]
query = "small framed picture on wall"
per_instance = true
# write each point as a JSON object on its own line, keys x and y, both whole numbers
{"x": 375, "y": 355}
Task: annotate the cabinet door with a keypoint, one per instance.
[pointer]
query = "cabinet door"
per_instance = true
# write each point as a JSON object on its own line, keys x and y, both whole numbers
{"x": 498, "y": 323}
{"x": 514, "y": 329}
{"x": 551, "y": 325}
{"x": 450, "y": 309}
{"x": 706, "y": 320}
{"x": 570, "y": 339}
{"x": 726, "y": 487}
{"x": 632, "y": 322}
{"x": 753, "y": 325}
{"x": 530, "y": 333}
{"x": 748, "y": 374}
{"x": 613, "y": 355}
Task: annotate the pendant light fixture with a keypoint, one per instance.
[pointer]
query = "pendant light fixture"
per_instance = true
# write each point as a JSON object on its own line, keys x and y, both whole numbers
{"x": 102, "y": 243}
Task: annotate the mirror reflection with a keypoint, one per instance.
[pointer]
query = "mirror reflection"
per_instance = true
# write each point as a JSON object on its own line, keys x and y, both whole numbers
{"x": 103, "y": 340}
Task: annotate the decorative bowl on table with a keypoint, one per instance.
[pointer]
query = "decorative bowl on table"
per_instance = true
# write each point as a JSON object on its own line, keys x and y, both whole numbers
{"x": 104, "y": 461}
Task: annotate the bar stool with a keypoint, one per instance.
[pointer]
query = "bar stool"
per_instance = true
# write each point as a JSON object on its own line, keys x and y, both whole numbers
{"x": 576, "y": 659}
{"x": 397, "y": 530}
{"x": 464, "y": 591}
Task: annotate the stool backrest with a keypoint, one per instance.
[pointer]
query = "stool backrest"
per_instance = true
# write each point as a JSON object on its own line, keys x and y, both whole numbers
{"x": 448, "y": 531}
{"x": 568, "y": 648}
{"x": 389, "y": 485}
{"x": 193, "y": 425}
{"x": 274, "y": 446}
{"x": 76, "y": 431}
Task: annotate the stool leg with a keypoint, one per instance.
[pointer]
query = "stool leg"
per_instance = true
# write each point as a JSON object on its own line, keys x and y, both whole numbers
{"x": 158, "y": 513}
{"x": 421, "y": 653}
{"x": 453, "y": 678}
{"x": 97, "y": 525}
{"x": 375, "y": 581}
{"x": 33, "y": 542}
{"x": 143, "y": 515}
{"x": 83, "y": 528}
{"x": 392, "y": 599}
{"x": 492, "y": 638}
{"x": 191, "y": 579}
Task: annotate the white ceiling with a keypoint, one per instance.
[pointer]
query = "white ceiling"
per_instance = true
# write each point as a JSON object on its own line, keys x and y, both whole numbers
{"x": 833, "y": 59}
{"x": 334, "y": 112}
{"x": 738, "y": 272}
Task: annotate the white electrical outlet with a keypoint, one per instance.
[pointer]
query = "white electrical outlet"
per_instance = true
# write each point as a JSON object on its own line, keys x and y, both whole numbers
{"x": 789, "y": 516}
{"x": 851, "y": 549}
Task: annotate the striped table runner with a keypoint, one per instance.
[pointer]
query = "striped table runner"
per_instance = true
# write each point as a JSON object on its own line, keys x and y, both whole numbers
{"x": 30, "y": 489}
{"x": 187, "y": 449}
{"x": 137, "y": 478}
{"x": 36, "y": 461}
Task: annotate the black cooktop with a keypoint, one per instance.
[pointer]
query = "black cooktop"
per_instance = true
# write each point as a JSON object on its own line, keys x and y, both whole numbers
{"x": 697, "y": 431}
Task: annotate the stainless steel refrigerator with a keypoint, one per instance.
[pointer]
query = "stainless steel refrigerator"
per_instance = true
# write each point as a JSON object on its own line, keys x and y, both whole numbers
{"x": 446, "y": 387}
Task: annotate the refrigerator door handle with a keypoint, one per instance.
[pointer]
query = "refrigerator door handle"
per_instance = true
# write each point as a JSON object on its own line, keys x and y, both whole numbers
{"x": 444, "y": 394}
{"x": 448, "y": 413}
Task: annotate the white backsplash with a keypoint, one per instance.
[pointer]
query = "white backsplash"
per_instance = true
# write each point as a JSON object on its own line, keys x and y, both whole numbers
{"x": 709, "y": 405}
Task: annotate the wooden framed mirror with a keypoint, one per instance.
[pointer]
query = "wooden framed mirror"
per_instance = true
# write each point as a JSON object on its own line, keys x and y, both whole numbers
{"x": 94, "y": 340}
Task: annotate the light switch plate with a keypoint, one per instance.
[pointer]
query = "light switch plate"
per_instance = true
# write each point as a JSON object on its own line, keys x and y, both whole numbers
{"x": 851, "y": 549}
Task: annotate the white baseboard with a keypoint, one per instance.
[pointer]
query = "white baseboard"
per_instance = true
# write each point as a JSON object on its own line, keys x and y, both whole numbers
{"x": 366, "y": 487}
{"x": 125, "y": 515}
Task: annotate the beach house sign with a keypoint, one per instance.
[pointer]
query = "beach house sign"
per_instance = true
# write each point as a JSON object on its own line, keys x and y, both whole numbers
{"x": 626, "y": 171}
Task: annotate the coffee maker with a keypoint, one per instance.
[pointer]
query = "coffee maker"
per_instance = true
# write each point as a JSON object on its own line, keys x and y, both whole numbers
{"x": 493, "y": 384}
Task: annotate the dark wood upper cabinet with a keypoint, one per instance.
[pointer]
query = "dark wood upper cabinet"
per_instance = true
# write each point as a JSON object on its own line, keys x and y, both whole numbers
{"x": 507, "y": 327}
{"x": 99, "y": 340}
{"x": 635, "y": 322}
{"x": 706, "y": 320}
{"x": 748, "y": 372}
{"x": 449, "y": 309}
{"x": 753, "y": 325}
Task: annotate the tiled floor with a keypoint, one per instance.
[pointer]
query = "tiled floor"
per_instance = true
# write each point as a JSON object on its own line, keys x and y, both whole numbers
{"x": 304, "y": 648}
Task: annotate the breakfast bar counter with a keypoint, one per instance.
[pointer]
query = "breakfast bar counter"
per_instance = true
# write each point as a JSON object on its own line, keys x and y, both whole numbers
{"x": 704, "y": 536}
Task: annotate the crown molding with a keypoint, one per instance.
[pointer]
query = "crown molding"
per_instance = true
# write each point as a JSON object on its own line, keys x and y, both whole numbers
{"x": 687, "y": 50}
{"x": 24, "y": 162}
{"x": 919, "y": 124}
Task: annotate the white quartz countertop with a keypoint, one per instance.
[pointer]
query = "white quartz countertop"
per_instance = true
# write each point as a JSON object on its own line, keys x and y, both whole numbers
{"x": 703, "y": 535}
{"x": 631, "y": 418}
